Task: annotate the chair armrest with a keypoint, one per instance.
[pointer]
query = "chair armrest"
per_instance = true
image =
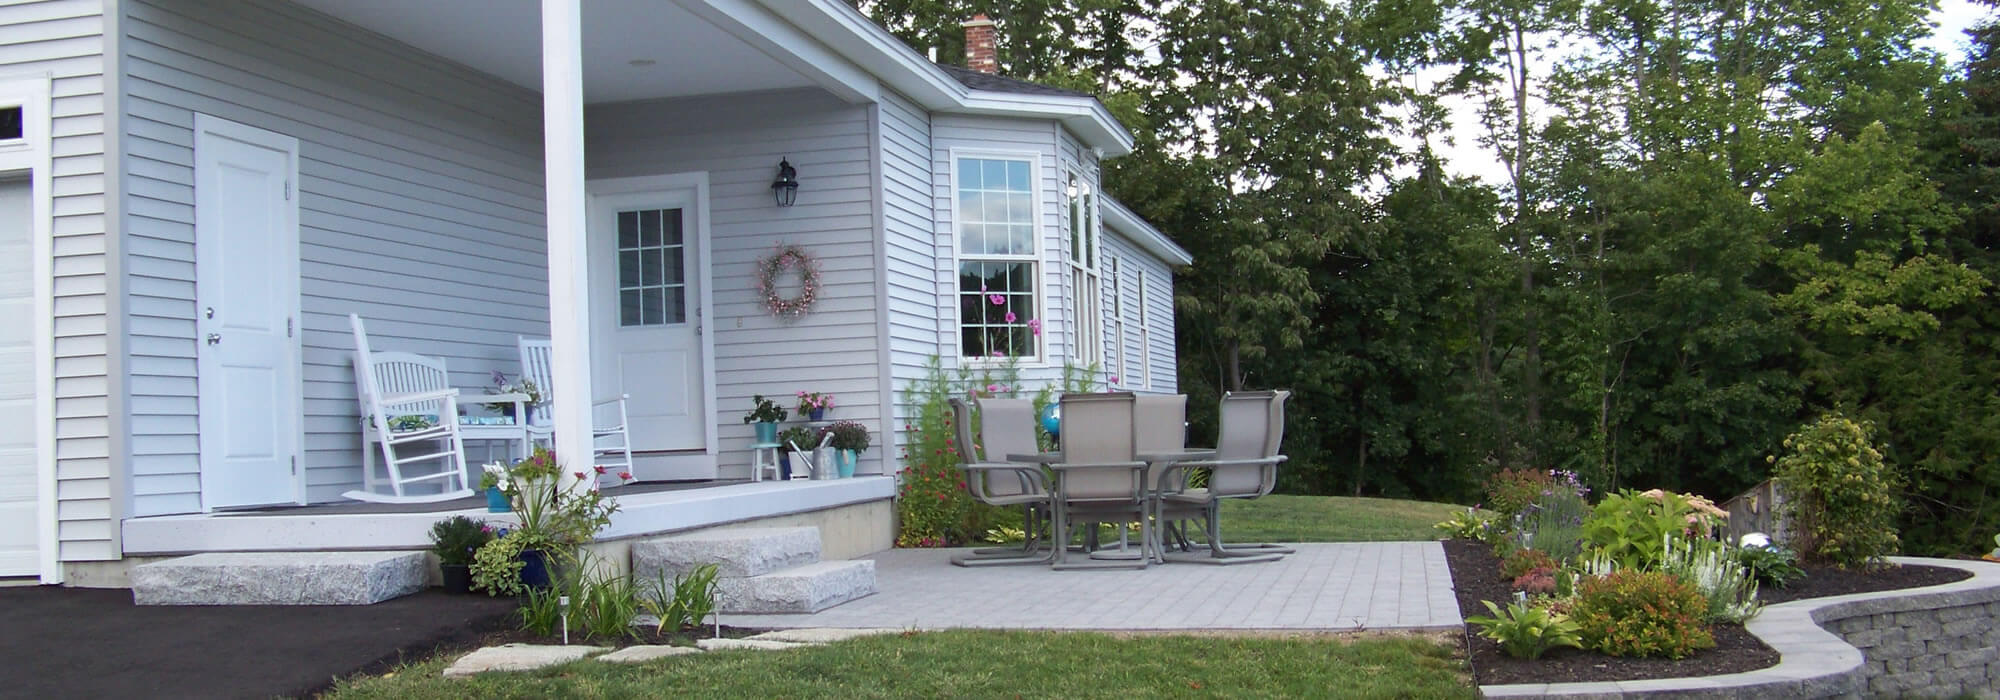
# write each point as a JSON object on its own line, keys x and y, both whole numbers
{"x": 493, "y": 398}
{"x": 615, "y": 399}
{"x": 418, "y": 396}
{"x": 1030, "y": 475}
{"x": 1072, "y": 466}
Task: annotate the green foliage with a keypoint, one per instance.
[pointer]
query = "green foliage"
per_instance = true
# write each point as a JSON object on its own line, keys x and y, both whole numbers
{"x": 765, "y": 411}
{"x": 602, "y": 602}
{"x": 1713, "y": 569}
{"x": 1641, "y": 613}
{"x": 805, "y": 438}
{"x": 1510, "y": 491}
{"x": 1632, "y": 528}
{"x": 934, "y": 509}
{"x": 686, "y": 599}
{"x": 1773, "y": 565}
{"x": 1521, "y": 561}
{"x": 1841, "y": 497}
{"x": 496, "y": 567}
{"x": 1469, "y": 524}
{"x": 456, "y": 538}
{"x": 1554, "y": 522}
{"x": 1526, "y": 632}
{"x": 847, "y": 435}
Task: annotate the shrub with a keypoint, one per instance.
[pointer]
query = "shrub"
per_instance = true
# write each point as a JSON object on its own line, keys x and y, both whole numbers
{"x": 1641, "y": 613}
{"x": 456, "y": 538}
{"x": 1772, "y": 564}
{"x": 1522, "y": 561}
{"x": 1842, "y": 502}
{"x": 1525, "y": 631}
{"x": 1713, "y": 569}
{"x": 847, "y": 435}
{"x": 1509, "y": 491}
{"x": 1629, "y": 527}
{"x": 1540, "y": 580}
{"x": 933, "y": 509}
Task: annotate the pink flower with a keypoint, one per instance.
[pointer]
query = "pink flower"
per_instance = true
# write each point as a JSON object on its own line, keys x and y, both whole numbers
{"x": 982, "y": 287}
{"x": 996, "y": 353}
{"x": 579, "y": 475}
{"x": 600, "y": 469}
{"x": 996, "y": 299}
{"x": 625, "y": 475}
{"x": 1114, "y": 379}
{"x": 1010, "y": 317}
{"x": 1035, "y": 325}
{"x": 993, "y": 388}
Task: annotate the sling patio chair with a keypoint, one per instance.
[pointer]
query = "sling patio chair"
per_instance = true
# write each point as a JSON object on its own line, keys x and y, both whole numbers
{"x": 1007, "y": 426}
{"x": 1100, "y": 478}
{"x": 1245, "y": 466}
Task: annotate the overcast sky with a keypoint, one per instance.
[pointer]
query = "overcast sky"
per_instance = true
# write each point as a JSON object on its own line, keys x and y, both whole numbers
{"x": 1465, "y": 157}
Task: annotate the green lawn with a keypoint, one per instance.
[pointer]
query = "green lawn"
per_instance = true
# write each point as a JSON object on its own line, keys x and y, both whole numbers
{"x": 974, "y": 664}
{"x": 1331, "y": 519}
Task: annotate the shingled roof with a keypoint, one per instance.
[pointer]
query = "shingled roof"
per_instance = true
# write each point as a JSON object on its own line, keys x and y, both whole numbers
{"x": 987, "y": 81}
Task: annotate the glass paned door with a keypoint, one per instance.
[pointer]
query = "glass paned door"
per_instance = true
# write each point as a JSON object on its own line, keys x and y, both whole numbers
{"x": 652, "y": 281}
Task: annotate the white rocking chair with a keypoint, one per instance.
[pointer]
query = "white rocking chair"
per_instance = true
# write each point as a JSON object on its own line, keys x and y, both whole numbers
{"x": 410, "y": 412}
{"x": 611, "y": 446}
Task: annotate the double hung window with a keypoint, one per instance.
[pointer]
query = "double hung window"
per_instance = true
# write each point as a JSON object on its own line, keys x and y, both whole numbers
{"x": 1087, "y": 314}
{"x": 998, "y": 263}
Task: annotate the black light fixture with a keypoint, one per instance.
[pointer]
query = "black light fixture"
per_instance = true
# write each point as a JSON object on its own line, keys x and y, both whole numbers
{"x": 786, "y": 187}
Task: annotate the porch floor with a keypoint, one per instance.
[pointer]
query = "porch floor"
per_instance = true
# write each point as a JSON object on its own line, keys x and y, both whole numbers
{"x": 1323, "y": 587}
{"x": 474, "y": 502}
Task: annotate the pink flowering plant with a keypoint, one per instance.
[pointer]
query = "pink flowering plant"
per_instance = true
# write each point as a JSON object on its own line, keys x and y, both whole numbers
{"x": 810, "y": 401}
{"x": 933, "y": 508}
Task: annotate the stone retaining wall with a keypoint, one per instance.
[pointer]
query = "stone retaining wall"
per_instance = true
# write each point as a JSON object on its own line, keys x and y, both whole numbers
{"x": 1937, "y": 641}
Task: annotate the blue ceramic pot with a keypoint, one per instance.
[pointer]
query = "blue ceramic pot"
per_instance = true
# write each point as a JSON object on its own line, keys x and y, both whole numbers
{"x": 767, "y": 432}
{"x": 496, "y": 501}
{"x": 784, "y": 466}
{"x": 534, "y": 568}
{"x": 817, "y": 414}
{"x": 845, "y": 459}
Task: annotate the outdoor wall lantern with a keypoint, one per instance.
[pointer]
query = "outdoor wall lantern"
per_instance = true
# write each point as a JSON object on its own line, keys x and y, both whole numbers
{"x": 786, "y": 187}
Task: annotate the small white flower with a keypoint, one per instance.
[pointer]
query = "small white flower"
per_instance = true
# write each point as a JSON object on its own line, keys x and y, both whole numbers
{"x": 1756, "y": 539}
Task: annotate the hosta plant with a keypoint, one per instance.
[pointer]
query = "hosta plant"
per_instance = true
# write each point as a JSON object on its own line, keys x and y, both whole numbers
{"x": 1629, "y": 526}
{"x": 1468, "y": 524}
{"x": 1526, "y": 631}
{"x": 1772, "y": 564}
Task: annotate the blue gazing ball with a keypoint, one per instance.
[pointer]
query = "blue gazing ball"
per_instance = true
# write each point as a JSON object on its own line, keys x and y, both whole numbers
{"x": 1052, "y": 419}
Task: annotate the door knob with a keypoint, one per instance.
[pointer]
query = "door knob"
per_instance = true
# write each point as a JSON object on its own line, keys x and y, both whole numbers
{"x": 215, "y": 339}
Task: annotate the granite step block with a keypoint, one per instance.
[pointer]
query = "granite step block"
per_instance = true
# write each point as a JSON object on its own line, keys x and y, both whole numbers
{"x": 803, "y": 589}
{"x": 279, "y": 578}
{"x": 737, "y": 553}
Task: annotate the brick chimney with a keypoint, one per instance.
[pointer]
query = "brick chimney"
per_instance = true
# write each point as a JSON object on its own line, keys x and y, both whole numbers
{"x": 982, "y": 49}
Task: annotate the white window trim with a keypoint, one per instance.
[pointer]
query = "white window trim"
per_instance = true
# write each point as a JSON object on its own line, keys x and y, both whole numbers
{"x": 1041, "y": 275}
{"x": 1114, "y": 355}
{"x": 1086, "y": 330}
{"x": 1145, "y": 336}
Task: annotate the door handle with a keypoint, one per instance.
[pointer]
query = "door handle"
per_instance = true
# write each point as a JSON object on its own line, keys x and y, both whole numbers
{"x": 215, "y": 339}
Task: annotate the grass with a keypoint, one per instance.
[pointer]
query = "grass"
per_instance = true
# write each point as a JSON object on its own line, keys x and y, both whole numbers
{"x": 971, "y": 663}
{"x": 1331, "y": 519}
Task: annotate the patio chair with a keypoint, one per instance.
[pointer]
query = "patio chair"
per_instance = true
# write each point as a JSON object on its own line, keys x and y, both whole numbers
{"x": 1245, "y": 466}
{"x": 1008, "y": 427}
{"x": 1160, "y": 426}
{"x": 611, "y": 445}
{"x": 1100, "y": 479}
{"x": 407, "y": 406}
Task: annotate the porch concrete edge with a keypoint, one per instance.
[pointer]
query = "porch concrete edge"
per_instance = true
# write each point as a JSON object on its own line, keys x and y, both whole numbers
{"x": 1813, "y": 661}
{"x": 639, "y": 515}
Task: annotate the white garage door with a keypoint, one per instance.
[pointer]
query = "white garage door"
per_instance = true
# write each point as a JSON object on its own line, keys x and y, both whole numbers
{"x": 18, "y": 530}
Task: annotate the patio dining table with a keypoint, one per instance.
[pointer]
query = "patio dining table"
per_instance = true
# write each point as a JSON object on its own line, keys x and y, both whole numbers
{"x": 1155, "y": 461}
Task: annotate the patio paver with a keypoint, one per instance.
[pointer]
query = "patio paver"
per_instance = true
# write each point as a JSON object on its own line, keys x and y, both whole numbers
{"x": 1325, "y": 587}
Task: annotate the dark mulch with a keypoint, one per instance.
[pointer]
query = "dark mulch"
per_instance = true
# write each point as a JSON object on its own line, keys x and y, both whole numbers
{"x": 76, "y": 642}
{"x": 1475, "y": 574}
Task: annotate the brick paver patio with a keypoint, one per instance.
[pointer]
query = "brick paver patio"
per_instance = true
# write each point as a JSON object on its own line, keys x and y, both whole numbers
{"x": 1344, "y": 586}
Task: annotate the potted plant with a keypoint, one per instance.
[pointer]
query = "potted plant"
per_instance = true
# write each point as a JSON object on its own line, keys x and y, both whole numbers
{"x": 799, "y": 437}
{"x": 525, "y": 387}
{"x": 454, "y": 540}
{"x": 849, "y": 439}
{"x": 494, "y": 482}
{"x": 766, "y": 417}
{"x": 554, "y": 521}
{"x": 814, "y": 404}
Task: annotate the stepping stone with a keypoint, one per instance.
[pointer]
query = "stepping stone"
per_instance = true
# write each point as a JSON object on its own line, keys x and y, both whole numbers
{"x": 823, "y": 635}
{"x": 735, "y": 553}
{"x": 802, "y": 589}
{"x": 518, "y": 657}
{"x": 646, "y": 652}
{"x": 724, "y": 644}
{"x": 279, "y": 578}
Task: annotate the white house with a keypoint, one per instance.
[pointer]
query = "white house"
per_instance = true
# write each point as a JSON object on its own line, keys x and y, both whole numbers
{"x": 453, "y": 171}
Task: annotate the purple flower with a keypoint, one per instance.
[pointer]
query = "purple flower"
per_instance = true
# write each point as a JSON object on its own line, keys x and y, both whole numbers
{"x": 996, "y": 299}
{"x": 1010, "y": 317}
{"x": 1035, "y": 325}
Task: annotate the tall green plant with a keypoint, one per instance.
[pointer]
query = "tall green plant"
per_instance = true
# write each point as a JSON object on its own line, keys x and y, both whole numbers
{"x": 934, "y": 509}
{"x": 1841, "y": 496}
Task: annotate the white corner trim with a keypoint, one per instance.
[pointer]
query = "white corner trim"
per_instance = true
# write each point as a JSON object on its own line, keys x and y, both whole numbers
{"x": 32, "y": 155}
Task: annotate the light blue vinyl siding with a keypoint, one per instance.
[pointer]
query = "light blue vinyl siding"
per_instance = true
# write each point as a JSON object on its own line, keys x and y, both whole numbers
{"x": 420, "y": 208}
{"x": 912, "y": 252}
{"x": 738, "y": 140}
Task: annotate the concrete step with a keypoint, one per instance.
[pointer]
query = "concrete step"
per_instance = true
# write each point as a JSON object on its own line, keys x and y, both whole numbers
{"x": 736, "y": 553}
{"x": 279, "y": 578}
{"x": 801, "y": 589}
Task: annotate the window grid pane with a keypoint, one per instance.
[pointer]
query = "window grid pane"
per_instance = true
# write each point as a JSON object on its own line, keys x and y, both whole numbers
{"x": 998, "y": 304}
{"x": 652, "y": 286}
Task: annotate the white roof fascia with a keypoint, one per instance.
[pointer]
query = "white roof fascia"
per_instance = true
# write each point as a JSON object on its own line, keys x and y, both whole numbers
{"x": 872, "y": 48}
{"x": 768, "y": 31}
{"x": 1138, "y": 231}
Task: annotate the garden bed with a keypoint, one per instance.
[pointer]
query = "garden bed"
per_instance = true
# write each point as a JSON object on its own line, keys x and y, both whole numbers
{"x": 1475, "y": 574}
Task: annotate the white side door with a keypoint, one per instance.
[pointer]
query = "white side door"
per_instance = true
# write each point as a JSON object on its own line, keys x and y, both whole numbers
{"x": 646, "y": 313}
{"x": 19, "y": 531}
{"x": 246, "y": 309}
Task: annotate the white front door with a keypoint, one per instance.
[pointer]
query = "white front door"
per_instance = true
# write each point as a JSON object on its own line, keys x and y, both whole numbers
{"x": 246, "y": 308}
{"x": 19, "y": 531}
{"x": 646, "y": 313}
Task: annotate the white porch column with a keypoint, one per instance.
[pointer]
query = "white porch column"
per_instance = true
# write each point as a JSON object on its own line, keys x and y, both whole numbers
{"x": 569, "y": 289}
